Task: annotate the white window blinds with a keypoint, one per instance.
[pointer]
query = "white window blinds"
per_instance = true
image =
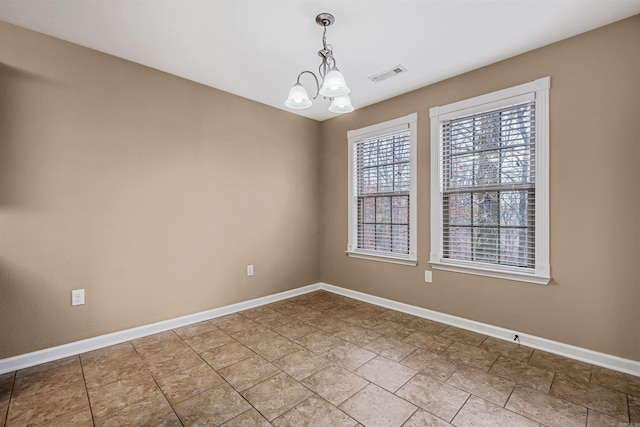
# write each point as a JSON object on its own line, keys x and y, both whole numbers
{"x": 488, "y": 186}
{"x": 382, "y": 191}
{"x": 383, "y": 183}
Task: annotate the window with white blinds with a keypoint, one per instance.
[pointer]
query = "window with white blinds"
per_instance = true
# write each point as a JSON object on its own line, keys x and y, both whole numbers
{"x": 382, "y": 191}
{"x": 489, "y": 157}
{"x": 488, "y": 186}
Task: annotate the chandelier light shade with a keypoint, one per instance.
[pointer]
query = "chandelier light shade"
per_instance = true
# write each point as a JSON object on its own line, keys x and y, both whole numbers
{"x": 298, "y": 98}
{"x": 334, "y": 84}
{"x": 341, "y": 104}
{"x": 330, "y": 83}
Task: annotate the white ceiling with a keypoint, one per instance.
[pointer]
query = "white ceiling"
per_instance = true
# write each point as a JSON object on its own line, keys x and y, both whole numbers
{"x": 255, "y": 49}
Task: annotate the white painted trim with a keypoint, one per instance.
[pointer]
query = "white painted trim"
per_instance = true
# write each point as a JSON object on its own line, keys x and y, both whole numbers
{"x": 543, "y": 267}
{"x": 538, "y": 90}
{"x": 436, "y": 193}
{"x": 578, "y": 353}
{"x": 59, "y": 352}
{"x": 409, "y": 122}
{"x": 390, "y": 126}
{"x": 500, "y": 272}
{"x": 585, "y": 355}
{"x": 394, "y": 259}
{"x": 511, "y": 95}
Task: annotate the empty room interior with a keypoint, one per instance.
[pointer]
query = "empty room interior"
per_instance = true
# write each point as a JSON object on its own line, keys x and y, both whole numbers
{"x": 453, "y": 240}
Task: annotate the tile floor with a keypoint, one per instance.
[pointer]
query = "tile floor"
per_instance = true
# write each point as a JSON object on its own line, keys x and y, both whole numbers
{"x": 318, "y": 359}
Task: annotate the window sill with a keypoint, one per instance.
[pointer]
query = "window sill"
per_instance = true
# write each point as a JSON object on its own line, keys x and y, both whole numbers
{"x": 540, "y": 276}
{"x": 384, "y": 258}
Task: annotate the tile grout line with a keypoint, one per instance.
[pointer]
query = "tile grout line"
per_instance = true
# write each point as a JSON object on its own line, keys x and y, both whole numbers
{"x": 13, "y": 385}
{"x": 410, "y": 416}
{"x": 414, "y": 350}
{"x": 158, "y": 385}
{"x": 462, "y": 406}
{"x": 456, "y": 369}
{"x": 65, "y": 413}
{"x": 266, "y": 379}
{"x": 323, "y": 355}
{"x": 514, "y": 412}
{"x": 86, "y": 389}
{"x": 314, "y": 394}
{"x": 154, "y": 378}
{"x": 223, "y": 378}
{"x": 555, "y": 376}
{"x": 510, "y": 394}
{"x": 104, "y": 385}
{"x": 414, "y": 375}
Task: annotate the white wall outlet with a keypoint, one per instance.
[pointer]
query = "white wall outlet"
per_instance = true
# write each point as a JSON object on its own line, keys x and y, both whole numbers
{"x": 77, "y": 297}
{"x": 250, "y": 270}
{"x": 427, "y": 276}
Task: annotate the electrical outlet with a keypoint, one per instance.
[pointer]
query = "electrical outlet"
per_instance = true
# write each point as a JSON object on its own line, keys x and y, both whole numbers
{"x": 250, "y": 270}
{"x": 77, "y": 297}
{"x": 427, "y": 276}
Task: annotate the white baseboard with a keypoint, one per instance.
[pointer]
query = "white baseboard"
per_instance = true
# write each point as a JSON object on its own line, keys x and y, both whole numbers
{"x": 578, "y": 353}
{"x": 595, "y": 358}
{"x": 22, "y": 361}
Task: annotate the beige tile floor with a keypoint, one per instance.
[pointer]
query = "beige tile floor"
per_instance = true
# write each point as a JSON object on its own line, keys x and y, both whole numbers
{"x": 318, "y": 360}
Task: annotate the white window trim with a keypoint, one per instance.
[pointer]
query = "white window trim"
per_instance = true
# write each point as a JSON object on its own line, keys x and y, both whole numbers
{"x": 401, "y": 123}
{"x": 541, "y": 274}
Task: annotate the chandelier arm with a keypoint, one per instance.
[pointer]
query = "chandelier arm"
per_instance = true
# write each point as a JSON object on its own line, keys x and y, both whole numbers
{"x": 314, "y": 78}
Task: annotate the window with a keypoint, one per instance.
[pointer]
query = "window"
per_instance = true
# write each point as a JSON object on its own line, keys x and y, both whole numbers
{"x": 489, "y": 194}
{"x": 382, "y": 191}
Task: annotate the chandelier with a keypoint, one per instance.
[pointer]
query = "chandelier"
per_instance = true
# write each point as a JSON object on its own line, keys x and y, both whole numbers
{"x": 331, "y": 83}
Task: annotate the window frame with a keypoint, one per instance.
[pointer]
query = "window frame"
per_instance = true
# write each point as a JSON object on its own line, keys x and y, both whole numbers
{"x": 539, "y": 89}
{"x": 409, "y": 123}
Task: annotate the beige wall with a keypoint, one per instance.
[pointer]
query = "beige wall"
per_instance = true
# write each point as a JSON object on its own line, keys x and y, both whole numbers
{"x": 149, "y": 191}
{"x": 593, "y": 300}
{"x": 153, "y": 193}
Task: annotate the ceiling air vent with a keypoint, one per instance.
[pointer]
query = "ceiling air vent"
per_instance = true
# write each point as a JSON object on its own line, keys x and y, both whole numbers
{"x": 376, "y": 78}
